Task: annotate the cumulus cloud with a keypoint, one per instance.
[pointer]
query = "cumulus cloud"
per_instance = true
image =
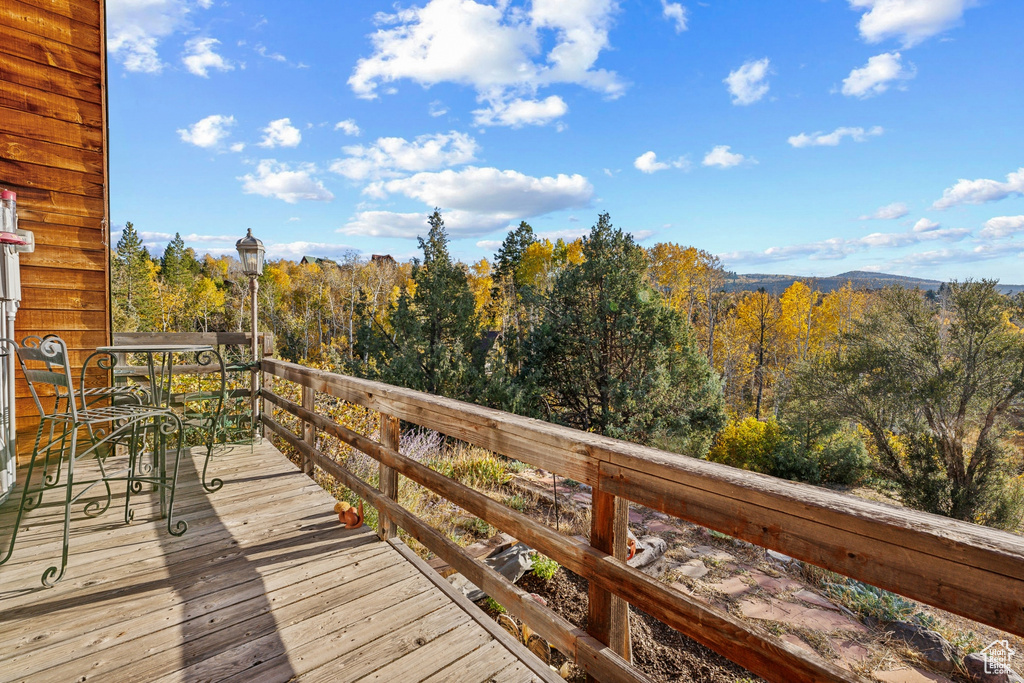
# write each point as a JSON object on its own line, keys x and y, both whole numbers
{"x": 199, "y": 57}
{"x": 349, "y": 127}
{"x": 912, "y": 21}
{"x": 504, "y": 51}
{"x": 490, "y": 245}
{"x": 721, "y": 157}
{"x": 412, "y": 225}
{"x": 838, "y": 248}
{"x": 208, "y": 132}
{"x": 136, "y": 27}
{"x": 875, "y": 77}
{"x": 391, "y": 157}
{"x": 281, "y": 133}
{"x": 282, "y": 181}
{"x": 648, "y": 163}
{"x": 676, "y": 13}
{"x": 887, "y": 212}
{"x": 747, "y": 84}
{"x": 519, "y": 112}
{"x": 437, "y": 108}
{"x": 492, "y": 190}
{"x": 1002, "y": 226}
{"x": 300, "y": 248}
{"x": 982, "y": 190}
{"x": 925, "y": 225}
{"x": 820, "y": 139}
{"x": 237, "y": 147}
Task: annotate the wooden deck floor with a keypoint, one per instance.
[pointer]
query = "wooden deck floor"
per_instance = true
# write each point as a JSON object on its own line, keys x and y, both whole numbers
{"x": 264, "y": 586}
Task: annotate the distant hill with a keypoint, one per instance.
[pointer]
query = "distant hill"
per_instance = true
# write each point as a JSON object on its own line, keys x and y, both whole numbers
{"x": 860, "y": 279}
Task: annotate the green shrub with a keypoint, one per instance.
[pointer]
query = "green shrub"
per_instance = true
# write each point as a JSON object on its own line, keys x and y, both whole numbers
{"x": 490, "y": 604}
{"x": 544, "y": 567}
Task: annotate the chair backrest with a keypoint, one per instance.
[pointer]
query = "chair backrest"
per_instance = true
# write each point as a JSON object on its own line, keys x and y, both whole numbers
{"x": 45, "y": 361}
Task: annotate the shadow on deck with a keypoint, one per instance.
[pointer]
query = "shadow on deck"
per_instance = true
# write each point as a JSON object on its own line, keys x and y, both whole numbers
{"x": 264, "y": 586}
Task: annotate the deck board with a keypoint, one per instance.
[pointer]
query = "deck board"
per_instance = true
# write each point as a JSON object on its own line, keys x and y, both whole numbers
{"x": 264, "y": 586}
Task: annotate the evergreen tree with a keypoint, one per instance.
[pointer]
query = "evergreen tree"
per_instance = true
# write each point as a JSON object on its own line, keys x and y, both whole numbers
{"x": 132, "y": 283}
{"x": 610, "y": 357}
{"x": 434, "y": 326}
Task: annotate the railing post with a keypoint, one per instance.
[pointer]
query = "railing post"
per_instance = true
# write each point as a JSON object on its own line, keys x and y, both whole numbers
{"x": 608, "y": 615}
{"x": 389, "y": 438}
{"x": 308, "y": 430}
{"x": 267, "y": 350}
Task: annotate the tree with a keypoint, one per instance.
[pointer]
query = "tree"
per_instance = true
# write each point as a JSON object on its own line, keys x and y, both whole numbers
{"x": 433, "y": 333}
{"x": 758, "y": 315}
{"x": 132, "y": 283}
{"x": 934, "y": 385}
{"x": 609, "y": 357}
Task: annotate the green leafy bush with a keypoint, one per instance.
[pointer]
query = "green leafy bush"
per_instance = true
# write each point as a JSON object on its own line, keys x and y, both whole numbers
{"x": 544, "y": 567}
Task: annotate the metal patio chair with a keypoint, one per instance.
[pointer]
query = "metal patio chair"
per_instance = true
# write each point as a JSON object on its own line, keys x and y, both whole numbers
{"x": 76, "y": 421}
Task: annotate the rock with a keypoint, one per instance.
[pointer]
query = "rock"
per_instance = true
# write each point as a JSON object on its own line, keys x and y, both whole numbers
{"x": 909, "y": 675}
{"x": 511, "y": 564}
{"x": 635, "y": 517}
{"x": 693, "y": 569}
{"x": 935, "y": 649}
{"x": 712, "y": 553}
{"x": 779, "y": 558}
{"x": 975, "y": 663}
{"x": 814, "y": 599}
{"x": 657, "y": 527}
{"x": 798, "y": 615}
{"x": 648, "y": 549}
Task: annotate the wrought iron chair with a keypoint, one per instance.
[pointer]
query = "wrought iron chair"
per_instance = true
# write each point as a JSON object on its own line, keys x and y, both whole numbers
{"x": 74, "y": 419}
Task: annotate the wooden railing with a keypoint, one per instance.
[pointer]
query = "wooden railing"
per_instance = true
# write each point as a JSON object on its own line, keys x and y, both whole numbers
{"x": 963, "y": 568}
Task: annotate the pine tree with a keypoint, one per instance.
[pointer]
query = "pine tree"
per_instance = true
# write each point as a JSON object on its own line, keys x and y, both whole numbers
{"x": 610, "y": 357}
{"x": 132, "y": 284}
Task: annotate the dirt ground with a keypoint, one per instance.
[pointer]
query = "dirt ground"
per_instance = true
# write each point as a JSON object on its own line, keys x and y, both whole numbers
{"x": 659, "y": 651}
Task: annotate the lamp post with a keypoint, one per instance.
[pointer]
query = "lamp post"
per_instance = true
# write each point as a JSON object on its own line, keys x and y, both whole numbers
{"x": 250, "y": 253}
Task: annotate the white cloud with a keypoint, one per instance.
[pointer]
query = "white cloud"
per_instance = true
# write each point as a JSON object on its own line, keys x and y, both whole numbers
{"x": 1002, "y": 226}
{"x": 391, "y": 157}
{"x": 721, "y": 156}
{"x": 676, "y": 13}
{"x": 912, "y": 21}
{"x": 349, "y": 127}
{"x": 820, "y": 139}
{"x": 925, "y": 225}
{"x": 152, "y": 237}
{"x": 490, "y": 245}
{"x": 503, "y": 51}
{"x": 747, "y": 84}
{"x": 982, "y": 190}
{"x": 875, "y": 77}
{"x": 281, "y": 133}
{"x": 208, "y": 132}
{"x": 136, "y": 27}
{"x": 205, "y": 4}
{"x": 519, "y": 112}
{"x": 490, "y": 190}
{"x": 648, "y": 163}
{"x": 411, "y": 225}
{"x": 887, "y": 212}
{"x": 199, "y": 57}
{"x": 298, "y": 249}
{"x": 437, "y": 108}
{"x": 237, "y": 147}
{"x": 279, "y": 180}
{"x": 262, "y": 51}
{"x": 838, "y": 248}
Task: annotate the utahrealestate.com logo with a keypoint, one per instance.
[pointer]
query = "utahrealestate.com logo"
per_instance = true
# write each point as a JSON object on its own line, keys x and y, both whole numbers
{"x": 997, "y": 657}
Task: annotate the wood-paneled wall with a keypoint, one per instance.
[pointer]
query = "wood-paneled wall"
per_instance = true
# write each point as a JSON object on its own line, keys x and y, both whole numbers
{"x": 53, "y": 134}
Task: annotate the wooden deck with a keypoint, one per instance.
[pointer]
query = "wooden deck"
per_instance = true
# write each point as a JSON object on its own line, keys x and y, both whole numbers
{"x": 264, "y": 586}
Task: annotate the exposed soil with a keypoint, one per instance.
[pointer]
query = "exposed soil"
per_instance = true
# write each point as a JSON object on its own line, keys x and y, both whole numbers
{"x": 659, "y": 651}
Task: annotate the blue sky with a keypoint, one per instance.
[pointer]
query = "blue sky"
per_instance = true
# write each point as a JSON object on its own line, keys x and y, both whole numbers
{"x": 809, "y": 137}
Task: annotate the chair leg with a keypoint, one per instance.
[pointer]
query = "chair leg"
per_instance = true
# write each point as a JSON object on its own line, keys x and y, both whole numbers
{"x": 52, "y": 575}
{"x": 134, "y": 485}
{"x": 179, "y": 527}
{"x": 26, "y": 497}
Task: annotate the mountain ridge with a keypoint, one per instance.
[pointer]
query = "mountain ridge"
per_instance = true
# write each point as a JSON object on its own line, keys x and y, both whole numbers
{"x": 860, "y": 279}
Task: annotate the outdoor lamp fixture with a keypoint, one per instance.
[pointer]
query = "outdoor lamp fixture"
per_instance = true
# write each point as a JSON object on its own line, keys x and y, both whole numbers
{"x": 250, "y": 253}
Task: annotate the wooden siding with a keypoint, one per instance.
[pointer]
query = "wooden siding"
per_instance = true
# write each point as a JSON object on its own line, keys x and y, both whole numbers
{"x": 53, "y": 153}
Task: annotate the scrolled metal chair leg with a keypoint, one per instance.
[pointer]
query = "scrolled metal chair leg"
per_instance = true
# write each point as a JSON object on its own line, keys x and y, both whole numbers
{"x": 54, "y": 574}
{"x": 179, "y": 527}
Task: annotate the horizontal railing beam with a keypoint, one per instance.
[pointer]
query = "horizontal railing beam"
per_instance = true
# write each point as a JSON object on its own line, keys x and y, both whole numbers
{"x": 964, "y": 568}
{"x": 746, "y": 645}
{"x": 585, "y": 650}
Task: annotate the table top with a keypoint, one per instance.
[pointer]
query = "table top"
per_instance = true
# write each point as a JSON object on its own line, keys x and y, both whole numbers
{"x": 155, "y": 348}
